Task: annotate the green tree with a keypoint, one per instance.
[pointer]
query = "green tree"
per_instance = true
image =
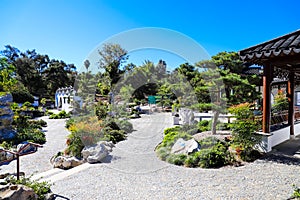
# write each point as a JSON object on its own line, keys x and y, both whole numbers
{"x": 7, "y": 80}
{"x": 111, "y": 58}
{"x": 225, "y": 84}
{"x": 39, "y": 75}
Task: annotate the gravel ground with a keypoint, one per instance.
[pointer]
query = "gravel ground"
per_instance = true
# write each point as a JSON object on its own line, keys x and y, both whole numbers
{"x": 40, "y": 161}
{"x": 134, "y": 172}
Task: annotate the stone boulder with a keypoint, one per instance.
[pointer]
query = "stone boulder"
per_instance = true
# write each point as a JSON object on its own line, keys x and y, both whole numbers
{"x": 6, "y": 117}
{"x": 187, "y": 116}
{"x": 97, "y": 152}
{"x": 6, "y": 156}
{"x": 63, "y": 162}
{"x": 182, "y": 146}
{"x": 28, "y": 149}
{"x": 17, "y": 192}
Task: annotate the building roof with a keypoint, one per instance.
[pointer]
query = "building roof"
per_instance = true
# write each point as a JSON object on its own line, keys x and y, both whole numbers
{"x": 286, "y": 46}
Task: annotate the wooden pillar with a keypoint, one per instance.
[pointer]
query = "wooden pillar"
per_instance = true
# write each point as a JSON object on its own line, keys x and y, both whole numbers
{"x": 18, "y": 166}
{"x": 267, "y": 79}
{"x": 291, "y": 92}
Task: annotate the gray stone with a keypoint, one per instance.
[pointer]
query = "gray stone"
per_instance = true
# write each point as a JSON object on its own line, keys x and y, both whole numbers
{"x": 17, "y": 192}
{"x": 63, "y": 162}
{"x": 97, "y": 152}
{"x": 28, "y": 149}
{"x": 5, "y": 155}
{"x": 182, "y": 146}
{"x": 187, "y": 116}
{"x": 6, "y": 117}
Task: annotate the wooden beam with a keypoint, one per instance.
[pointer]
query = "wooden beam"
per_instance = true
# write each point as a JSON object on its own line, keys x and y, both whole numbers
{"x": 267, "y": 80}
{"x": 291, "y": 92}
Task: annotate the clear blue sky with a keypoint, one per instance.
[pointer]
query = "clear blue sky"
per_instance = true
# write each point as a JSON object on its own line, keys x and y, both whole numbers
{"x": 70, "y": 29}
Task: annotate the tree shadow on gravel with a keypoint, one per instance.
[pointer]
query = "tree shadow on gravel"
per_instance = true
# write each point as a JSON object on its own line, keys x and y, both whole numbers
{"x": 281, "y": 159}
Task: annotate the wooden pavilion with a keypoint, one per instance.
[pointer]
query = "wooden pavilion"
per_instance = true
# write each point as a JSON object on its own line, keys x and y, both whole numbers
{"x": 279, "y": 57}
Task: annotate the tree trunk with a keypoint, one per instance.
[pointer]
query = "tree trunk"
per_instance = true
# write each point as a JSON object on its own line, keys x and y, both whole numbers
{"x": 214, "y": 122}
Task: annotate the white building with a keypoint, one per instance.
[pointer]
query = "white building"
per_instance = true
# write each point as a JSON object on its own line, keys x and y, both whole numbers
{"x": 64, "y": 98}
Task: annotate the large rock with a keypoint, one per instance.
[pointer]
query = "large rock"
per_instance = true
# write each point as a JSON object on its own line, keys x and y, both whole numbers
{"x": 6, "y": 117}
{"x": 182, "y": 146}
{"x": 63, "y": 162}
{"x": 23, "y": 149}
{"x": 6, "y": 156}
{"x": 17, "y": 192}
{"x": 97, "y": 152}
{"x": 187, "y": 116}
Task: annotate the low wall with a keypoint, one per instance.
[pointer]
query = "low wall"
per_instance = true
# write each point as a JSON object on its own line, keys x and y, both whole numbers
{"x": 276, "y": 137}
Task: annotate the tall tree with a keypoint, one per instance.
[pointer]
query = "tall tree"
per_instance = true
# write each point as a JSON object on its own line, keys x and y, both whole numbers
{"x": 111, "y": 58}
{"x": 40, "y": 75}
{"x": 225, "y": 84}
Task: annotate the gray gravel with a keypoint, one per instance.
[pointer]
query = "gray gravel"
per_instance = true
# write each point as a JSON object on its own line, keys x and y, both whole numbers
{"x": 40, "y": 161}
{"x": 134, "y": 172}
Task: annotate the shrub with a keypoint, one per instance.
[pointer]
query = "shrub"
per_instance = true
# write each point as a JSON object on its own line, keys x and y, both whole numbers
{"x": 203, "y": 126}
{"x": 177, "y": 159}
{"x": 125, "y": 125}
{"x": 61, "y": 115}
{"x": 40, "y": 188}
{"x": 101, "y": 110}
{"x": 208, "y": 142}
{"x": 170, "y": 139}
{"x": 244, "y": 127}
{"x": 115, "y": 135}
{"x": 70, "y": 122}
{"x": 214, "y": 157}
{"x": 163, "y": 152}
{"x": 296, "y": 193}
{"x": 193, "y": 160}
{"x": 30, "y": 135}
{"x": 74, "y": 145}
{"x": 250, "y": 155}
{"x": 173, "y": 129}
{"x": 21, "y": 96}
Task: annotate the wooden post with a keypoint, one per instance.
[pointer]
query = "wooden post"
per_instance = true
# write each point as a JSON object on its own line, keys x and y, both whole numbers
{"x": 291, "y": 92}
{"x": 18, "y": 166}
{"x": 267, "y": 79}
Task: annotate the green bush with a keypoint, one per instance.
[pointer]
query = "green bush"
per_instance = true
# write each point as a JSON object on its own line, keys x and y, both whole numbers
{"x": 114, "y": 135}
{"x": 296, "y": 193}
{"x": 244, "y": 127}
{"x": 170, "y": 139}
{"x": 74, "y": 145}
{"x": 125, "y": 125}
{"x": 163, "y": 152}
{"x": 28, "y": 130}
{"x": 214, "y": 157}
{"x": 204, "y": 125}
{"x": 30, "y": 135}
{"x": 101, "y": 110}
{"x": 177, "y": 159}
{"x": 40, "y": 188}
{"x": 193, "y": 160}
{"x": 172, "y": 129}
{"x": 70, "y": 122}
{"x": 37, "y": 123}
{"x": 208, "y": 142}
{"x": 61, "y": 115}
{"x": 21, "y": 96}
{"x": 249, "y": 155}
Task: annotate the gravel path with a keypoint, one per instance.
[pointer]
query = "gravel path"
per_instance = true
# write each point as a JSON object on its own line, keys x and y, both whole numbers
{"x": 134, "y": 172}
{"x": 40, "y": 161}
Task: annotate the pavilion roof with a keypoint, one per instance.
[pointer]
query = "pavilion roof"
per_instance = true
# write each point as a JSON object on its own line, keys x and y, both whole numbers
{"x": 283, "y": 51}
